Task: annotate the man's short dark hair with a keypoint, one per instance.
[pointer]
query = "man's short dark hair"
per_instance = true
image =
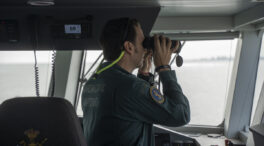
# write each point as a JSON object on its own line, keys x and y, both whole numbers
{"x": 114, "y": 34}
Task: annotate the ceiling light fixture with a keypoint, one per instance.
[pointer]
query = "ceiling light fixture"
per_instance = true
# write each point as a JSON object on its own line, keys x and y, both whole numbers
{"x": 41, "y": 2}
{"x": 257, "y": 0}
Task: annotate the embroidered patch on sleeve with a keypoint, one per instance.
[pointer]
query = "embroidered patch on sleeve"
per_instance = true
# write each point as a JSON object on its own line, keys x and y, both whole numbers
{"x": 156, "y": 95}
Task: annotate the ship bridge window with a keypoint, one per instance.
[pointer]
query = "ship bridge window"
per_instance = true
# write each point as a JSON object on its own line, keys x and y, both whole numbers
{"x": 17, "y": 74}
{"x": 259, "y": 80}
{"x": 204, "y": 78}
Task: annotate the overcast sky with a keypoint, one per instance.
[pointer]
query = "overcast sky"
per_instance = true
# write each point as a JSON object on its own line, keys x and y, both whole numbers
{"x": 191, "y": 50}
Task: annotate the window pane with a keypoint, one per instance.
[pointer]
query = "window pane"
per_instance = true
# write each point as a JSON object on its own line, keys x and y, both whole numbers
{"x": 17, "y": 75}
{"x": 207, "y": 62}
{"x": 91, "y": 56}
{"x": 259, "y": 81}
{"x": 204, "y": 78}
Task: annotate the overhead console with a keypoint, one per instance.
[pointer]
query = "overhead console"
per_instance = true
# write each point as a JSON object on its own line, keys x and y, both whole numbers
{"x": 9, "y": 32}
{"x": 72, "y": 29}
{"x": 61, "y": 28}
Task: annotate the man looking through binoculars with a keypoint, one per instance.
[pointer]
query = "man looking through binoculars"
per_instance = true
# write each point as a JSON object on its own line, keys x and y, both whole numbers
{"x": 120, "y": 108}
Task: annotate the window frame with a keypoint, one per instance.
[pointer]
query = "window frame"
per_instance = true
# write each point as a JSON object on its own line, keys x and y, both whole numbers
{"x": 201, "y": 37}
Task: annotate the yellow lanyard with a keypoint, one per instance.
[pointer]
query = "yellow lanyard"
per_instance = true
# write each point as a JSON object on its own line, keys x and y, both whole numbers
{"x": 110, "y": 65}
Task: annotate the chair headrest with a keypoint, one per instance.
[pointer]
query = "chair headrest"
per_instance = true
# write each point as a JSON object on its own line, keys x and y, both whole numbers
{"x": 50, "y": 121}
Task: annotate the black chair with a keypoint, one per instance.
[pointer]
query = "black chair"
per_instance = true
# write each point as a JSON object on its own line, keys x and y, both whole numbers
{"x": 39, "y": 121}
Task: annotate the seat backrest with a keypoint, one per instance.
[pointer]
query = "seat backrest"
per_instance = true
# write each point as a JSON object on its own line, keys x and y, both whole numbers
{"x": 40, "y": 122}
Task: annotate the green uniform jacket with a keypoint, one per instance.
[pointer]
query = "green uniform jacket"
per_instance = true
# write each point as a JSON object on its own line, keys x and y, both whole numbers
{"x": 120, "y": 109}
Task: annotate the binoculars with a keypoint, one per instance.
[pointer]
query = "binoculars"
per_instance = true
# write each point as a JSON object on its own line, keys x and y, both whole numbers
{"x": 148, "y": 43}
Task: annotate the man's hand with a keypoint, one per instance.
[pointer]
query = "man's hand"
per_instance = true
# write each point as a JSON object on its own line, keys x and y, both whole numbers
{"x": 163, "y": 51}
{"x": 145, "y": 68}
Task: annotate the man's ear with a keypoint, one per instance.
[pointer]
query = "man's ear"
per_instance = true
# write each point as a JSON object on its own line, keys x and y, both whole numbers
{"x": 128, "y": 47}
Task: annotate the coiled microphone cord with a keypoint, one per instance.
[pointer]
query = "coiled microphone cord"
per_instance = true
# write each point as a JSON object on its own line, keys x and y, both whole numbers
{"x": 36, "y": 75}
{"x": 53, "y": 57}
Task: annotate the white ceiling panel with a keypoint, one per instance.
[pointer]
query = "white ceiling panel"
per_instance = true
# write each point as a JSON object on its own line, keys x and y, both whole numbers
{"x": 203, "y": 7}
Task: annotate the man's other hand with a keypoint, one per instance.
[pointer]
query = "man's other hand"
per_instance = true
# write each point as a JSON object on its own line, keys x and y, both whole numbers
{"x": 145, "y": 68}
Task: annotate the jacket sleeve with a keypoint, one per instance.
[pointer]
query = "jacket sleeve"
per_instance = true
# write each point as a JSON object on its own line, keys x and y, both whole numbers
{"x": 149, "y": 78}
{"x": 145, "y": 103}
